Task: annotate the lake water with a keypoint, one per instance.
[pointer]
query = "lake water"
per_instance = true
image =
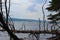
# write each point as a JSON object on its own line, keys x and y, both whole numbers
{"x": 19, "y": 25}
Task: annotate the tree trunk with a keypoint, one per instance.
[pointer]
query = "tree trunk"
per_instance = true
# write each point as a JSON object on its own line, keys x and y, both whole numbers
{"x": 5, "y": 27}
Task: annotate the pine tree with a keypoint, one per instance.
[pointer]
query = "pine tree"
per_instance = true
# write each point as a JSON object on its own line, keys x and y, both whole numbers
{"x": 54, "y": 7}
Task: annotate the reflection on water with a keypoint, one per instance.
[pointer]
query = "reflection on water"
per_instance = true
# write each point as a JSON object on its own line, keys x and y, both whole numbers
{"x": 28, "y": 26}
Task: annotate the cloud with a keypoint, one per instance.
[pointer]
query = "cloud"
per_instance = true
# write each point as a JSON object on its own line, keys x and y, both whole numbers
{"x": 37, "y": 1}
{"x": 27, "y": 9}
{"x": 32, "y": 8}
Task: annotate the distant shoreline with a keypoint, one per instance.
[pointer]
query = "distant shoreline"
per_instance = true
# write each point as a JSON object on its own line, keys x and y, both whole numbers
{"x": 29, "y": 20}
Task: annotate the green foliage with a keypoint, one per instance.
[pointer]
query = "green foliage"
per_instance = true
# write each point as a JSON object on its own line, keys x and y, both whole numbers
{"x": 54, "y": 18}
{"x": 54, "y": 5}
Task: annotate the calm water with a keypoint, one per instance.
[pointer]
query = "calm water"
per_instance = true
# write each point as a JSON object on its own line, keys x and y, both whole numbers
{"x": 28, "y": 26}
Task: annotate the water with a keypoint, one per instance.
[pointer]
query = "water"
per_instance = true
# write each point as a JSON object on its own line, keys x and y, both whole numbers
{"x": 19, "y": 25}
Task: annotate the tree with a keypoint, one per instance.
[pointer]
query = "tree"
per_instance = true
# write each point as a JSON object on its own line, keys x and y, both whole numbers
{"x": 54, "y": 6}
{"x": 43, "y": 13}
{"x": 3, "y": 24}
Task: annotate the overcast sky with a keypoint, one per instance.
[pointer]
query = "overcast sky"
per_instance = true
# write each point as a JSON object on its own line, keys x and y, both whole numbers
{"x": 28, "y": 9}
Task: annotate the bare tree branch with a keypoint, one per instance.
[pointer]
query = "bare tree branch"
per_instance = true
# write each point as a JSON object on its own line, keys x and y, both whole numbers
{"x": 43, "y": 14}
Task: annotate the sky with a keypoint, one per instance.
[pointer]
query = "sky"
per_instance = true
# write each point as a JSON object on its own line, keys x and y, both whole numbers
{"x": 28, "y": 9}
